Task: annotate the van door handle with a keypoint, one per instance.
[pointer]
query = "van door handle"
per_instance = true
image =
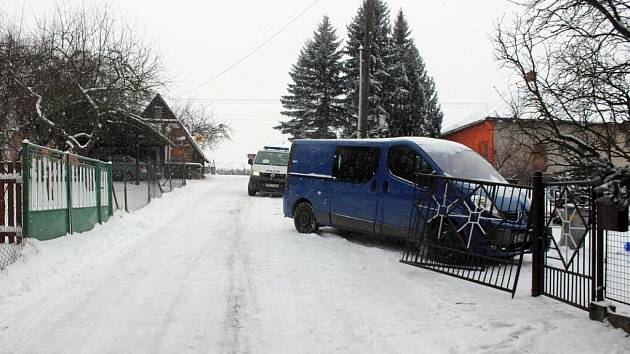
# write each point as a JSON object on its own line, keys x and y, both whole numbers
{"x": 373, "y": 186}
{"x": 385, "y": 187}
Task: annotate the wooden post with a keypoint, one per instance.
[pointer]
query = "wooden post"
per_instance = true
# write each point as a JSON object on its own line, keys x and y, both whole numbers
{"x": 365, "y": 62}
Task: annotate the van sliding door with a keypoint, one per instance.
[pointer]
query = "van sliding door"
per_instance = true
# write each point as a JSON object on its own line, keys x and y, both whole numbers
{"x": 354, "y": 193}
{"x": 398, "y": 188}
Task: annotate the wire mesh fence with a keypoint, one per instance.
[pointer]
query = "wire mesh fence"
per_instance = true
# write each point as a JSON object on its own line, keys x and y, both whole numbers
{"x": 11, "y": 236}
{"x": 617, "y": 266}
{"x": 10, "y": 250}
{"x": 135, "y": 187}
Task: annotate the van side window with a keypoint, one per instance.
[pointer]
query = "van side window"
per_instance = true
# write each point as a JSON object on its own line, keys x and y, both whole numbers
{"x": 404, "y": 162}
{"x": 356, "y": 164}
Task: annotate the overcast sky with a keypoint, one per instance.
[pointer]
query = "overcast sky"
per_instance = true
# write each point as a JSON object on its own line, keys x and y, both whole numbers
{"x": 199, "y": 39}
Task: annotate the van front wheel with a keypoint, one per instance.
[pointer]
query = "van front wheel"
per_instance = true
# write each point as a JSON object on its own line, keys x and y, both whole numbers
{"x": 304, "y": 219}
{"x": 251, "y": 190}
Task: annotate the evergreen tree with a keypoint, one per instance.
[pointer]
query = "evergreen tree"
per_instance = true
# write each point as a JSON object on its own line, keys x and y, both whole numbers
{"x": 414, "y": 109}
{"x": 379, "y": 71}
{"x": 432, "y": 110}
{"x": 314, "y": 97}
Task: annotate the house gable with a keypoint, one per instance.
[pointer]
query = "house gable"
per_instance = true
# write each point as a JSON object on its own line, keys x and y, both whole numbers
{"x": 479, "y": 136}
{"x": 185, "y": 148}
{"x": 159, "y": 109}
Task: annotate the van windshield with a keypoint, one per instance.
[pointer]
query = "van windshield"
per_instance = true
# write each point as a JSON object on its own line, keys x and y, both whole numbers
{"x": 273, "y": 158}
{"x": 464, "y": 163}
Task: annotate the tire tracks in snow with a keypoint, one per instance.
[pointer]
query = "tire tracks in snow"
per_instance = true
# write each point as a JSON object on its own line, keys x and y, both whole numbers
{"x": 59, "y": 310}
{"x": 241, "y": 289}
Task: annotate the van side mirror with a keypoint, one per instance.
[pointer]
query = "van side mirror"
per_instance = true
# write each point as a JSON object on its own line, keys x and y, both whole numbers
{"x": 250, "y": 162}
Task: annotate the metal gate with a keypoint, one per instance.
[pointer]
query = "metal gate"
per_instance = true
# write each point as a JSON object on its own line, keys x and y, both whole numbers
{"x": 470, "y": 229}
{"x": 11, "y": 237}
{"x": 564, "y": 261}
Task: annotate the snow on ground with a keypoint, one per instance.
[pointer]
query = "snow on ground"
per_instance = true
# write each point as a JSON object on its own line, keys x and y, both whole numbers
{"x": 207, "y": 269}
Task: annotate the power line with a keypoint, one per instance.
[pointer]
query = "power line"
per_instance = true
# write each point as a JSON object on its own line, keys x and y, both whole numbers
{"x": 257, "y": 48}
{"x": 222, "y": 100}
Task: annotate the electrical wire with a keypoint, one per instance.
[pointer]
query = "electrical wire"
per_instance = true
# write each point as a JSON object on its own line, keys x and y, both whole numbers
{"x": 220, "y": 100}
{"x": 255, "y": 49}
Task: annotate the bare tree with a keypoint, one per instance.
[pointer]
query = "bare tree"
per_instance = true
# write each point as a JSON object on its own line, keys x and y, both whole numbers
{"x": 573, "y": 59}
{"x": 200, "y": 122}
{"x": 66, "y": 80}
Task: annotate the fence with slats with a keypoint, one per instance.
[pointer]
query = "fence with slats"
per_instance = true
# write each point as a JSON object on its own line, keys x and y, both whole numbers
{"x": 11, "y": 234}
{"x": 64, "y": 193}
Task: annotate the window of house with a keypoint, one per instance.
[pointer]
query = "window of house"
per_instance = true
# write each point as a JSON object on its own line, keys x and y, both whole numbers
{"x": 356, "y": 164}
{"x": 405, "y": 163}
{"x": 157, "y": 112}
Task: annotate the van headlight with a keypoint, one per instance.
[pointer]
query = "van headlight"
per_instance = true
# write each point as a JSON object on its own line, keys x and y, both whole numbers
{"x": 484, "y": 203}
{"x": 255, "y": 173}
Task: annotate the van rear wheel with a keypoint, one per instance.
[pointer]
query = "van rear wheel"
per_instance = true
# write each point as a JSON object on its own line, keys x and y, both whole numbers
{"x": 304, "y": 219}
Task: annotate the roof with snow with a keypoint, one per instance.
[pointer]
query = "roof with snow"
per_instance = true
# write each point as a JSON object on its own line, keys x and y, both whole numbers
{"x": 466, "y": 125}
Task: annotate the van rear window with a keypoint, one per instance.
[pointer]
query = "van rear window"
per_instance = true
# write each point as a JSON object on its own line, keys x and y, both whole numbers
{"x": 356, "y": 164}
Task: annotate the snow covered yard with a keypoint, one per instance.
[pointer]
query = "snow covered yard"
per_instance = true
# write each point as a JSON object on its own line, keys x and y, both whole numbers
{"x": 208, "y": 269}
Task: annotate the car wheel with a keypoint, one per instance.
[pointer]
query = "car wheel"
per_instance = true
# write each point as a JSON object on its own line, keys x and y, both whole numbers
{"x": 251, "y": 190}
{"x": 304, "y": 219}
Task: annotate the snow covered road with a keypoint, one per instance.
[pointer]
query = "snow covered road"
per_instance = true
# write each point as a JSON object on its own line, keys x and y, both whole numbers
{"x": 207, "y": 269}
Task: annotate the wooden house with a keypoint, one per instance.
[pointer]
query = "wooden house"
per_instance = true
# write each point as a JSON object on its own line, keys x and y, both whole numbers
{"x": 185, "y": 152}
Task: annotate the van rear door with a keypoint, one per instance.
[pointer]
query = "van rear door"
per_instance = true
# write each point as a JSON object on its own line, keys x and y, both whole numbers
{"x": 354, "y": 189}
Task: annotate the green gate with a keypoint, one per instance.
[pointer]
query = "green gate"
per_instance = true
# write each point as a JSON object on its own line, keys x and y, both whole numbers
{"x": 63, "y": 192}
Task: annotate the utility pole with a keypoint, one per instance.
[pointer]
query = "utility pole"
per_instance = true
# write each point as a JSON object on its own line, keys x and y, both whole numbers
{"x": 364, "y": 72}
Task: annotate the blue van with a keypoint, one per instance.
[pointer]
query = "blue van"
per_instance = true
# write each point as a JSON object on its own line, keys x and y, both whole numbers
{"x": 370, "y": 186}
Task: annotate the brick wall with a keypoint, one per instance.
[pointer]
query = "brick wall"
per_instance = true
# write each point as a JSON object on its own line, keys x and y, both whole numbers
{"x": 479, "y": 137}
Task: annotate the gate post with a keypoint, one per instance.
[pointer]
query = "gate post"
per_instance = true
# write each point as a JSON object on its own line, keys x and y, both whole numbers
{"x": 538, "y": 237}
{"x": 69, "y": 182}
{"x": 110, "y": 184}
{"x": 97, "y": 177}
{"x": 26, "y": 201}
{"x": 597, "y": 252}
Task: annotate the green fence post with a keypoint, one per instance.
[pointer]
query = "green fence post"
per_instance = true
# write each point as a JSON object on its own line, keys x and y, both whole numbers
{"x": 110, "y": 183}
{"x": 69, "y": 191}
{"x": 97, "y": 172}
{"x": 26, "y": 200}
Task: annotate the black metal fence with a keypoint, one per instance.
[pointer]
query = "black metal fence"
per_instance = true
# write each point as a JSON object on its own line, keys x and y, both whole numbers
{"x": 470, "y": 229}
{"x": 480, "y": 230}
{"x": 575, "y": 259}
{"x": 565, "y": 227}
